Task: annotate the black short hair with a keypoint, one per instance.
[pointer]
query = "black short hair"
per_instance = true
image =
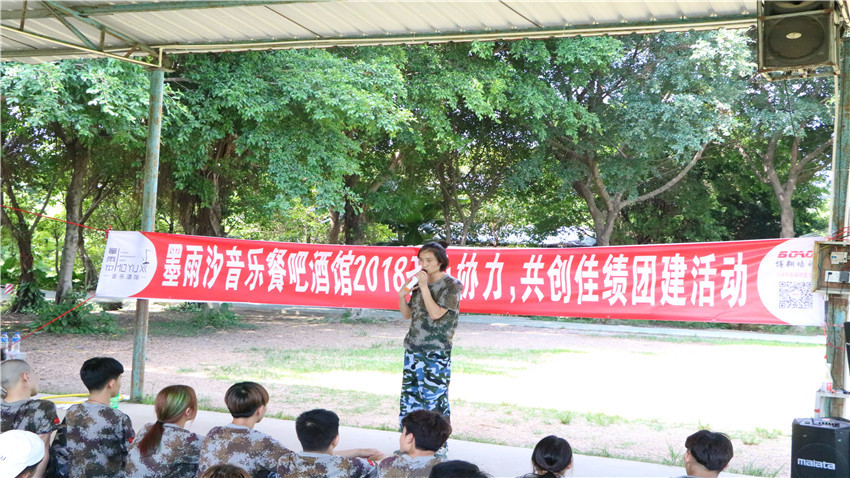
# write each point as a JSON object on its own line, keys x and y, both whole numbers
{"x": 316, "y": 429}
{"x": 710, "y": 449}
{"x": 457, "y": 469}
{"x": 439, "y": 251}
{"x": 430, "y": 429}
{"x": 96, "y": 372}
{"x": 244, "y": 398}
{"x": 552, "y": 454}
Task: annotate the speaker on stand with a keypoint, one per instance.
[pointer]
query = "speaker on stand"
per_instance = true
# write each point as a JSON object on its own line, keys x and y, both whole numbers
{"x": 797, "y": 39}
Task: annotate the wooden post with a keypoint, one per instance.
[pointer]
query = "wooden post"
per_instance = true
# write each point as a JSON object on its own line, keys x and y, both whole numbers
{"x": 836, "y": 306}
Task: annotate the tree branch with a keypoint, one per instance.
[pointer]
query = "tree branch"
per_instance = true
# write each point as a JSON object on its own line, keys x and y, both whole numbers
{"x": 672, "y": 182}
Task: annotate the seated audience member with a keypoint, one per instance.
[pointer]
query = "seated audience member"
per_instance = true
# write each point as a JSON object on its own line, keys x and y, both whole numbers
{"x": 238, "y": 443}
{"x": 318, "y": 432}
{"x": 457, "y": 469}
{"x": 165, "y": 448}
{"x": 708, "y": 453}
{"x": 21, "y": 452}
{"x": 94, "y": 437}
{"x": 19, "y": 411}
{"x": 423, "y": 432}
{"x": 225, "y": 471}
{"x": 552, "y": 457}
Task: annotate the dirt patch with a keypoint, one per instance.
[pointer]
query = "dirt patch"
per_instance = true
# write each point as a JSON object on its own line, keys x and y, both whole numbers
{"x": 626, "y": 409}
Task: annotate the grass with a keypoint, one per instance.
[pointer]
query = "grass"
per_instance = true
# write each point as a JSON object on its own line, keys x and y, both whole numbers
{"x": 711, "y": 340}
{"x": 751, "y": 469}
{"x": 674, "y": 456}
{"x": 383, "y": 357}
{"x": 766, "y": 329}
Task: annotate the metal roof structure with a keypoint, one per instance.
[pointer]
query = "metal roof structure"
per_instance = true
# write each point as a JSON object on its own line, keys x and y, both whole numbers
{"x": 37, "y": 31}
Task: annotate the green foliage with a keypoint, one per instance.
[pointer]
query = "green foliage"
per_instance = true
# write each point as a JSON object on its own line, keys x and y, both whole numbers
{"x": 216, "y": 317}
{"x": 28, "y": 298}
{"x": 80, "y": 320}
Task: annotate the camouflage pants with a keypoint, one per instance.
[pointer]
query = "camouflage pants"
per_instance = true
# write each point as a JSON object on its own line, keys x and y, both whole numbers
{"x": 425, "y": 382}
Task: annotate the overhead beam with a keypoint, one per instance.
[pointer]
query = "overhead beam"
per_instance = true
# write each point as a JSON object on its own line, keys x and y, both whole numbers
{"x": 466, "y": 36}
{"x": 153, "y": 7}
{"x": 56, "y": 6}
{"x": 70, "y": 47}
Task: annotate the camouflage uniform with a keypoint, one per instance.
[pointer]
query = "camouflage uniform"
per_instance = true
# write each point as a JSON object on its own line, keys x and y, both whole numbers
{"x": 238, "y": 445}
{"x": 37, "y": 416}
{"x": 428, "y": 348}
{"x": 319, "y": 465}
{"x": 92, "y": 441}
{"x": 405, "y": 466}
{"x": 177, "y": 456}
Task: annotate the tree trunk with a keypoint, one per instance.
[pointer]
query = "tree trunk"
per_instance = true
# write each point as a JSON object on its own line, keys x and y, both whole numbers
{"x": 786, "y": 216}
{"x": 91, "y": 271}
{"x": 336, "y": 228}
{"x": 352, "y": 217}
{"x": 79, "y": 158}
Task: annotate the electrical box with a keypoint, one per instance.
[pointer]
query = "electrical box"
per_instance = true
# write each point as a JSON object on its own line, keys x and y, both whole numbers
{"x": 831, "y": 267}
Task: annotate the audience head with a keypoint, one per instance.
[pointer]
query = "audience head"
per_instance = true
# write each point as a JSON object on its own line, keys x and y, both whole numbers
{"x": 439, "y": 251}
{"x": 174, "y": 404}
{"x": 457, "y": 469}
{"x": 20, "y": 453}
{"x": 708, "y": 453}
{"x": 243, "y": 399}
{"x": 13, "y": 372}
{"x": 552, "y": 456}
{"x": 317, "y": 429}
{"x": 225, "y": 471}
{"x": 98, "y": 372}
{"x": 429, "y": 430}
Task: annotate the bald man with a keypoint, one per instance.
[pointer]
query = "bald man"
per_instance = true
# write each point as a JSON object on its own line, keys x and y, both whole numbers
{"x": 22, "y": 412}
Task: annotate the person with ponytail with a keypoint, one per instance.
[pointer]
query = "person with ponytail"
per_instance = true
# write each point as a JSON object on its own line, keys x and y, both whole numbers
{"x": 433, "y": 313}
{"x": 165, "y": 448}
{"x": 552, "y": 457}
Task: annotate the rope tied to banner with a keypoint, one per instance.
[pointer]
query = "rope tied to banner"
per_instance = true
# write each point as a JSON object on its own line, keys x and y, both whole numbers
{"x": 57, "y": 318}
{"x": 104, "y": 231}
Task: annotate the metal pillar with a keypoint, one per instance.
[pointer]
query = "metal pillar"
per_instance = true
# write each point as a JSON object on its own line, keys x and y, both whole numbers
{"x": 148, "y": 216}
{"x": 836, "y": 306}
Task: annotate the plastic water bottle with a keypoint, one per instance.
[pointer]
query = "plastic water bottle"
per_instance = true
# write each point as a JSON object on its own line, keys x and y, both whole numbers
{"x": 16, "y": 343}
{"x": 4, "y": 342}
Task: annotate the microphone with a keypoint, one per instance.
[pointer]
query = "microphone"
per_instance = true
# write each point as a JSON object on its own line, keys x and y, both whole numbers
{"x": 413, "y": 281}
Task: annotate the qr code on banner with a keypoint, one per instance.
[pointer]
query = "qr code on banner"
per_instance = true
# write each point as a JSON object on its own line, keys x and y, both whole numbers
{"x": 795, "y": 295}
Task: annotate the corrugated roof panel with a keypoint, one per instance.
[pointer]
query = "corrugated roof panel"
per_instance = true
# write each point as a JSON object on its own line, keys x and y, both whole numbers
{"x": 322, "y": 23}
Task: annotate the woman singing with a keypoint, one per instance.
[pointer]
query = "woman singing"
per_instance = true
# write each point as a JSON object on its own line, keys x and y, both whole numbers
{"x": 433, "y": 315}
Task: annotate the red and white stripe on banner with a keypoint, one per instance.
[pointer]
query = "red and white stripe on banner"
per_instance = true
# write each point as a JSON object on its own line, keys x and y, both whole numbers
{"x": 8, "y": 289}
{"x": 761, "y": 282}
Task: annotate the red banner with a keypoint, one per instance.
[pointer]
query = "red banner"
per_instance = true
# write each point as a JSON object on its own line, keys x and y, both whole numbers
{"x": 763, "y": 282}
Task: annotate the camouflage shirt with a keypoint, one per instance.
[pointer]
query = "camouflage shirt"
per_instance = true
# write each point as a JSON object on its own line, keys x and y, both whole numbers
{"x": 37, "y": 416}
{"x": 177, "y": 456}
{"x": 238, "y": 445}
{"x": 405, "y": 466}
{"x": 93, "y": 441}
{"x": 319, "y": 465}
{"x": 425, "y": 334}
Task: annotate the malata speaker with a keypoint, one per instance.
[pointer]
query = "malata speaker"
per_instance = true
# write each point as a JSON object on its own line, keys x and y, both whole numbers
{"x": 796, "y": 35}
{"x": 820, "y": 448}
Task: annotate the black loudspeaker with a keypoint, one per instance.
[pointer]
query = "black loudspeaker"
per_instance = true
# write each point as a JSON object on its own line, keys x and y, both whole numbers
{"x": 820, "y": 448}
{"x": 796, "y": 35}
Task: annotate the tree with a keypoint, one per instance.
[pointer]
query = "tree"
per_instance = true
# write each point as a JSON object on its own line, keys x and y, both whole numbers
{"x": 283, "y": 124}
{"x": 90, "y": 107}
{"x": 30, "y": 176}
{"x": 659, "y": 102}
{"x": 785, "y": 137}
